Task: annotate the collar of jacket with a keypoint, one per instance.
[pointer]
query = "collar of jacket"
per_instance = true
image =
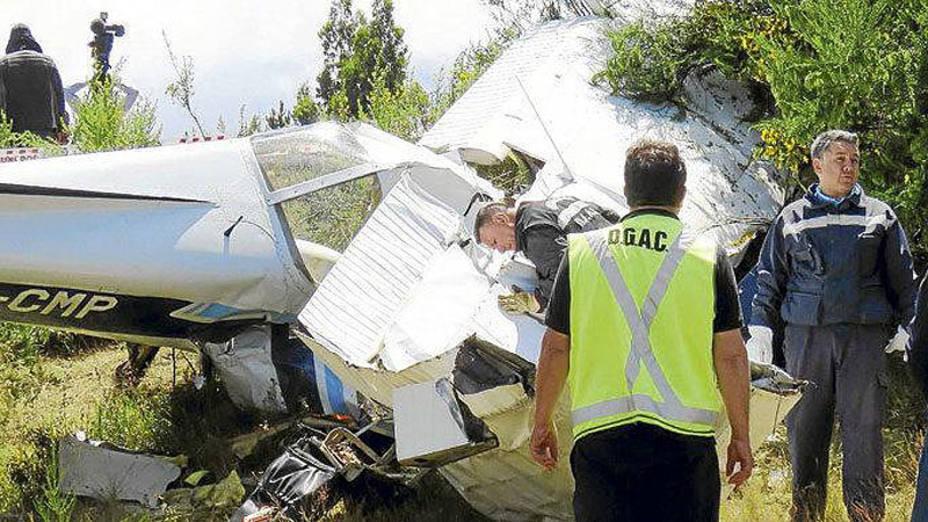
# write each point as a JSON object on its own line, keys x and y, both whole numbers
{"x": 851, "y": 200}
{"x": 656, "y": 211}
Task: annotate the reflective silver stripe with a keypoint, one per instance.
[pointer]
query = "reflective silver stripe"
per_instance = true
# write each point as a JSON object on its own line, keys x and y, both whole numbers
{"x": 632, "y": 403}
{"x": 868, "y": 222}
{"x": 564, "y": 216}
{"x": 640, "y": 323}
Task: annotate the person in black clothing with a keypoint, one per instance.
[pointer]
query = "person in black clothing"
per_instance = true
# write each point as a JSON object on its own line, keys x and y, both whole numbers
{"x": 30, "y": 87}
{"x": 102, "y": 44}
{"x": 538, "y": 230}
{"x": 645, "y": 451}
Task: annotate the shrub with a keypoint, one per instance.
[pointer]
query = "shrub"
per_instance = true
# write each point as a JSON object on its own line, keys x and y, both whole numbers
{"x": 10, "y": 138}
{"x": 102, "y": 123}
{"x": 860, "y": 65}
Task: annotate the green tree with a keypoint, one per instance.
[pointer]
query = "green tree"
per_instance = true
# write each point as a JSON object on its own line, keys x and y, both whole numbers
{"x": 181, "y": 89}
{"x": 337, "y": 35}
{"x": 402, "y": 111}
{"x": 357, "y": 51}
{"x": 860, "y": 65}
{"x": 248, "y": 125}
{"x": 102, "y": 123}
{"x": 305, "y": 110}
{"x": 279, "y": 118}
{"x": 392, "y": 53}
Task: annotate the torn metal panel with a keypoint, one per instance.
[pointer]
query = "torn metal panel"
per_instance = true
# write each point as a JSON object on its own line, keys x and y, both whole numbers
{"x": 354, "y": 308}
{"x": 247, "y": 370}
{"x": 474, "y": 124}
{"x": 292, "y": 477}
{"x": 105, "y": 472}
{"x": 728, "y": 195}
{"x": 531, "y": 493}
{"x": 433, "y": 427}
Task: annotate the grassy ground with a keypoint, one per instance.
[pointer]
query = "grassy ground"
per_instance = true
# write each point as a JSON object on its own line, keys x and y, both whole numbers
{"x": 52, "y": 385}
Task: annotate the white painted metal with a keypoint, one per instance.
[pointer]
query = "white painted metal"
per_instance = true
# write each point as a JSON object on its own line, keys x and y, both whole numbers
{"x": 728, "y": 194}
{"x": 129, "y": 245}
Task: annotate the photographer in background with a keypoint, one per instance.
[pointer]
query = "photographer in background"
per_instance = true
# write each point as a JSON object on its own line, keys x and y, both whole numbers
{"x": 102, "y": 44}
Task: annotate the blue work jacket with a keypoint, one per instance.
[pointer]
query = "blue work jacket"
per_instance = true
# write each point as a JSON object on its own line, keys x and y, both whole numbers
{"x": 830, "y": 263}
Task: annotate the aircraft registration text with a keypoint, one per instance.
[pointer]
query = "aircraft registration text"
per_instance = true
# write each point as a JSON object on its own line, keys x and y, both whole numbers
{"x": 61, "y": 302}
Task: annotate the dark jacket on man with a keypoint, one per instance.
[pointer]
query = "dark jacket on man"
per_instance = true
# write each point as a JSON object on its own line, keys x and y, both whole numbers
{"x": 918, "y": 342}
{"x": 839, "y": 275}
{"x": 541, "y": 234}
{"x": 31, "y": 93}
{"x": 824, "y": 264}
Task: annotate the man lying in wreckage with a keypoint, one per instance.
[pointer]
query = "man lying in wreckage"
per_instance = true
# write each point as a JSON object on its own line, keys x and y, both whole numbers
{"x": 411, "y": 363}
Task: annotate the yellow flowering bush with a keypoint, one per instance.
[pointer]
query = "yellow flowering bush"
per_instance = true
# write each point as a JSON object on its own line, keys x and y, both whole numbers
{"x": 812, "y": 65}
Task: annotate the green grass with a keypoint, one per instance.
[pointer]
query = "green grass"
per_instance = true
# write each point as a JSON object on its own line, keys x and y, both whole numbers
{"x": 766, "y": 496}
{"x": 54, "y": 384}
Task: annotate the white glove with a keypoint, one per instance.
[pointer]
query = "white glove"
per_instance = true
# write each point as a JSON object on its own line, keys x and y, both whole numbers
{"x": 760, "y": 345}
{"x": 899, "y": 341}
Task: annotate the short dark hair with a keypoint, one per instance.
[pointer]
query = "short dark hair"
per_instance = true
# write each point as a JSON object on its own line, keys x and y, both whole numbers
{"x": 654, "y": 174}
{"x": 485, "y": 214}
{"x": 825, "y": 139}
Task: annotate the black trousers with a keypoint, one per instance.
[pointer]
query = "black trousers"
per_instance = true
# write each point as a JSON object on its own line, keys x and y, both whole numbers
{"x": 847, "y": 366}
{"x": 641, "y": 472}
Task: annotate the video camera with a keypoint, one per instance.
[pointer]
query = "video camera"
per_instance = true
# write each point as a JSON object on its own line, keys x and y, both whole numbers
{"x": 99, "y": 27}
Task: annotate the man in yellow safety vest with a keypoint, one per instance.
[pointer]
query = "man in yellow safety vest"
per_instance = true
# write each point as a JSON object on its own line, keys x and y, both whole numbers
{"x": 644, "y": 327}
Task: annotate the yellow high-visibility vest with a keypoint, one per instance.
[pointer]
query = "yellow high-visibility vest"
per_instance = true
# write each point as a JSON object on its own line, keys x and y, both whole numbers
{"x": 642, "y": 305}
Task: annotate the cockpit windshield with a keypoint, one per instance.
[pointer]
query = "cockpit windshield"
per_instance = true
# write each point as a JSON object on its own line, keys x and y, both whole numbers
{"x": 321, "y": 178}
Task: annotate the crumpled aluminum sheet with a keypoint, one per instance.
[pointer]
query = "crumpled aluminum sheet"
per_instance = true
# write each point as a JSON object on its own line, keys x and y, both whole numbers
{"x": 106, "y": 472}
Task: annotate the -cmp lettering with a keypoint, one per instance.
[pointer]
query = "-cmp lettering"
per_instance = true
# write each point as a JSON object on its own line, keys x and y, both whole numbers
{"x": 643, "y": 238}
{"x": 61, "y": 303}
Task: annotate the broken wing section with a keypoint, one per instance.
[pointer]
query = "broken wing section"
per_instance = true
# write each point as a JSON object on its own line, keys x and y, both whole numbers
{"x": 408, "y": 319}
{"x": 354, "y": 313}
{"x": 537, "y": 101}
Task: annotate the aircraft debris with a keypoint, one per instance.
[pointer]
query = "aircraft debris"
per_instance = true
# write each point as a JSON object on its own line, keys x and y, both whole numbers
{"x": 247, "y": 370}
{"x": 215, "y": 256}
{"x": 104, "y": 471}
{"x": 229, "y": 492}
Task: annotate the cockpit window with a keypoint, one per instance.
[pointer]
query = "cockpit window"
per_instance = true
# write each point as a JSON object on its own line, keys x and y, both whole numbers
{"x": 330, "y": 216}
{"x": 293, "y": 156}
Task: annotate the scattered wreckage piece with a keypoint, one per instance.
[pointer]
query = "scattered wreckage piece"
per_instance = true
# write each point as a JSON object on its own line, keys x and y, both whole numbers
{"x": 104, "y": 471}
{"x": 226, "y": 493}
{"x": 246, "y": 368}
{"x": 325, "y": 450}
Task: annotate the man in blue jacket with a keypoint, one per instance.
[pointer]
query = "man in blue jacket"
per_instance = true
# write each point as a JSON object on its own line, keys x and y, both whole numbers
{"x": 836, "y": 271}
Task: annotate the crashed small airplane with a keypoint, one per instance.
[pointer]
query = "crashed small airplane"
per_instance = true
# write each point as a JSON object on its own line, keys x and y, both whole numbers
{"x": 220, "y": 247}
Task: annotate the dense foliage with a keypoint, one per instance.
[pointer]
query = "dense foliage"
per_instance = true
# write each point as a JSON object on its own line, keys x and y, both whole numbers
{"x": 101, "y": 121}
{"x": 357, "y": 54}
{"x": 861, "y": 65}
